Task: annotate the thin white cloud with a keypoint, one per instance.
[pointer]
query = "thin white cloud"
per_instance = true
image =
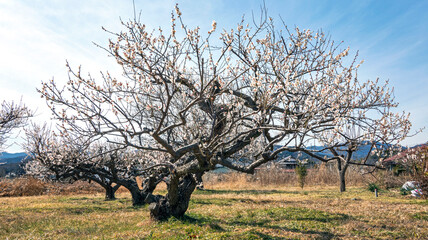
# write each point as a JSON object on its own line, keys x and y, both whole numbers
{"x": 39, "y": 35}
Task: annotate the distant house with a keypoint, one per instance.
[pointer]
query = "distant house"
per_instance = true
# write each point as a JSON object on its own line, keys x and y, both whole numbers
{"x": 287, "y": 163}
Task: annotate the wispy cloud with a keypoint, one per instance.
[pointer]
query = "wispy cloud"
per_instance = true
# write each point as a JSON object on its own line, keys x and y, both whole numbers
{"x": 39, "y": 35}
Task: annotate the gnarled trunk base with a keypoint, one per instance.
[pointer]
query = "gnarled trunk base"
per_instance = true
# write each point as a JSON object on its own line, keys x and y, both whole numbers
{"x": 138, "y": 198}
{"x": 110, "y": 193}
{"x": 176, "y": 202}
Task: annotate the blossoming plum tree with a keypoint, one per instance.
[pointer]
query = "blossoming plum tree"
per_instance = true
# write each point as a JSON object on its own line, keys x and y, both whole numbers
{"x": 12, "y": 116}
{"x": 67, "y": 158}
{"x": 195, "y": 100}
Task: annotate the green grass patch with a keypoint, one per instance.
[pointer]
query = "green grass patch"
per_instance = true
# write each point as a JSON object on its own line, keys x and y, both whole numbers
{"x": 421, "y": 216}
{"x": 322, "y": 213}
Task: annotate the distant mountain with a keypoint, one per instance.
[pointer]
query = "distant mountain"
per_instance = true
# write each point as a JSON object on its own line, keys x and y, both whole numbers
{"x": 361, "y": 153}
{"x": 12, "y": 157}
{"x": 420, "y": 145}
{"x": 10, "y": 164}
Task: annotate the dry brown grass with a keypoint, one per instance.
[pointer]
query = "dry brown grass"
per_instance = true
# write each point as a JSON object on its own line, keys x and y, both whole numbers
{"x": 321, "y": 175}
{"x": 281, "y": 177}
{"x": 28, "y": 186}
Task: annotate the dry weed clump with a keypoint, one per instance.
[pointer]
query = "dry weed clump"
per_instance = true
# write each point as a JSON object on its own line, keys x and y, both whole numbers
{"x": 226, "y": 180}
{"x": 78, "y": 187}
{"x": 22, "y": 187}
{"x": 387, "y": 179}
{"x": 29, "y": 186}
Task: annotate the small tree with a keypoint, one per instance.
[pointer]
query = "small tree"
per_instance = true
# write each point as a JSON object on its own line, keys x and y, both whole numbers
{"x": 301, "y": 172}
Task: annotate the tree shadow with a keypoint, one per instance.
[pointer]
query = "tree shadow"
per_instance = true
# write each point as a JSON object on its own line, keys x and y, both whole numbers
{"x": 265, "y": 236}
{"x": 265, "y": 224}
{"x": 201, "y": 221}
{"x": 252, "y": 192}
{"x": 297, "y": 220}
{"x": 230, "y": 201}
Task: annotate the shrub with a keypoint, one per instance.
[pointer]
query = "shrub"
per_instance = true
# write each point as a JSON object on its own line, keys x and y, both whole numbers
{"x": 372, "y": 187}
{"x": 301, "y": 172}
{"x": 26, "y": 186}
{"x": 404, "y": 192}
{"x": 398, "y": 170}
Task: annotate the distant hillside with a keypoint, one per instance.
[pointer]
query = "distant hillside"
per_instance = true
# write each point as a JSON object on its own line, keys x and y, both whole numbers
{"x": 359, "y": 154}
{"x": 420, "y": 145}
{"x": 12, "y": 157}
{"x": 10, "y": 164}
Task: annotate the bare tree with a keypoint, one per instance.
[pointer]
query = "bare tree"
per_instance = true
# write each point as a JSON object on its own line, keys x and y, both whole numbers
{"x": 381, "y": 135}
{"x": 12, "y": 116}
{"x": 193, "y": 102}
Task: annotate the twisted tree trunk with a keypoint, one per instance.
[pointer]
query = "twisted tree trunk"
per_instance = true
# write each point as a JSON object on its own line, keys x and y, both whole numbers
{"x": 176, "y": 201}
{"x": 137, "y": 194}
{"x": 110, "y": 192}
{"x": 106, "y": 184}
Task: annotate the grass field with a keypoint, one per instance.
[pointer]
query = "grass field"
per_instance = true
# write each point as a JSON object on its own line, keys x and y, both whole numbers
{"x": 222, "y": 213}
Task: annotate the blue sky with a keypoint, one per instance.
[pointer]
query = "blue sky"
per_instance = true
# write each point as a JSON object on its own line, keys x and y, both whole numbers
{"x": 38, "y": 36}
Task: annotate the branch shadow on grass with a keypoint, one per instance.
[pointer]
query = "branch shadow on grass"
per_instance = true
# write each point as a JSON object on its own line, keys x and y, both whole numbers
{"x": 230, "y": 201}
{"x": 251, "y": 192}
{"x": 297, "y": 220}
{"x": 201, "y": 221}
{"x": 265, "y": 224}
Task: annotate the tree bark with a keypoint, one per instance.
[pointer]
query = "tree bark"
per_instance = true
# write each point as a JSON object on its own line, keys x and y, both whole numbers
{"x": 137, "y": 194}
{"x": 199, "y": 181}
{"x": 176, "y": 201}
{"x": 110, "y": 192}
{"x": 106, "y": 184}
{"x": 138, "y": 198}
{"x": 342, "y": 180}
